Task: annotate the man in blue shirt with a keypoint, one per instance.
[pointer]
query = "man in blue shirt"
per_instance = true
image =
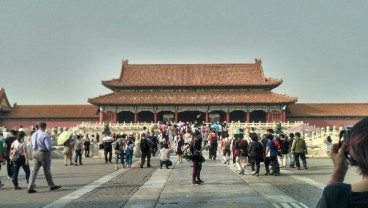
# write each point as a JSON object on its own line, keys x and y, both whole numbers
{"x": 41, "y": 145}
{"x": 271, "y": 156}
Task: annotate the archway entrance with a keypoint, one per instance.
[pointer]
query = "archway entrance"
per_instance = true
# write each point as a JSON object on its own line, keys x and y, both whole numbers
{"x": 258, "y": 116}
{"x": 238, "y": 115}
{"x": 125, "y": 116}
{"x": 191, "y": 116}
{"x": 167, "y": 116}
{"x": 145, "y": 116}
{"x": 217, "y": 116}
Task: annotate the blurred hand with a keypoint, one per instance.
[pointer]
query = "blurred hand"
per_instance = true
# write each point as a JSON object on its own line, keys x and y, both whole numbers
{"x": 339, "y": 161}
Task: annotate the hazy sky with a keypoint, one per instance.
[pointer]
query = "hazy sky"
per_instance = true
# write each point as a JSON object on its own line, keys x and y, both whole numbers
{"x": 57, "y": 52}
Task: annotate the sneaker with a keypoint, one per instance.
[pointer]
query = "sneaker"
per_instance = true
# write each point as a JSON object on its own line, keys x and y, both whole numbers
{"x": 254, "y": 173}
{"x": 71, "y": 163}
{"x": 200, "y": 181}
{"x": 54, "y": 188}
{"x": 17, "y": 188}
{"x": 30, "y": 191}
{"x": 305, "y": 167}
{"x": 195, "y": 183}
{"x": 298, "y": 168}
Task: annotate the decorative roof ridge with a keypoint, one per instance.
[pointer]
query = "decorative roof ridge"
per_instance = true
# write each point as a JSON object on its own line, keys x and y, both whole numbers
{"x": 3, "y": 96}
{"x": 292, "y": 97}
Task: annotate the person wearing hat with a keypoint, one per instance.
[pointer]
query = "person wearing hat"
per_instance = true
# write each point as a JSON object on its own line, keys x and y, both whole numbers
{"x": 196, "y": 150}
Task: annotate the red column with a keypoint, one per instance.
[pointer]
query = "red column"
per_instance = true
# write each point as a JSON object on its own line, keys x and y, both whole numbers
{"x": 248, "y": 117}
{"x": 135, "y": 117}
{"x": 207, "y": 116}
{"x": 102, "y": 117}
{"x": 267, "y": 117}
{"x": 155, "y": 117}
{"x": 114, "y": 117}
{"x": 227, "y": 117}
{"x": 283, "y": 116}
{"x": 176, "y": 117}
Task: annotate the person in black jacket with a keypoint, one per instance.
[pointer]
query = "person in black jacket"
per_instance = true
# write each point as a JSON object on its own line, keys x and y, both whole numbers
{"x": 196, "y": 150}
{"x": 146, "y": 151}
{"x": 255, "y": 154}
{"x": 284, "y": 150}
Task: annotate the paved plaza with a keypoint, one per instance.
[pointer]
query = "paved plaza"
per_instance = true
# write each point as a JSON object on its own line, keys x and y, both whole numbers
{"x": 96, "y": 184}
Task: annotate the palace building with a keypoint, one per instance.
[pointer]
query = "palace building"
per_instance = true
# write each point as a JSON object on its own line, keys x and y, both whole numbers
{"x": 188, "y": 92}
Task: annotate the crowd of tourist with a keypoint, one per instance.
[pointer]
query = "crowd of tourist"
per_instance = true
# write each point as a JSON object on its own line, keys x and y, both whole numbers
{"x": 249, "y": 150}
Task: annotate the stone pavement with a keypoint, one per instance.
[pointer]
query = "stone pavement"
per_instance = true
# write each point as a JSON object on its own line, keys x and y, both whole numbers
{"x": 96, "y": 184}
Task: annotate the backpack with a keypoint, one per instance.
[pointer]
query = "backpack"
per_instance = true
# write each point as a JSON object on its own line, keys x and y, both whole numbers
{"x": 14, "y": 153}
{"x": 227, "y": 144}
{"x": 117, "y": 145}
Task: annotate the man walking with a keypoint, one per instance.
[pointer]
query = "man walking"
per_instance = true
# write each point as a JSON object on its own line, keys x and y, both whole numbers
{"x": 196, "y": 150}
{"x": 146, "y": 151}
{"x": 107, "y": 144}
{"x": 299, "y": 148}
{"x": 41, "y": 145}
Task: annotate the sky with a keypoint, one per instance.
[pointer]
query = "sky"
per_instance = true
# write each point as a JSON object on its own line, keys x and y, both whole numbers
{"x": 58, "y": 52}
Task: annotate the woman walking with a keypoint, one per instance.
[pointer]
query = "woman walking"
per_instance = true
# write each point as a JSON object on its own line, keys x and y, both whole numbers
{"x": 21, "y": 147}
{"x": 255, "y": 154}
{"x": 179, "y": 148}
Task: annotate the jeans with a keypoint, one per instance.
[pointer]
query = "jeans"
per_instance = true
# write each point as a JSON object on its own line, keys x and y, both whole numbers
{"x": 302, "y": 157}
{"x": 86, "y": 151}
{"x": 119, "y": 155}
{"x": 21, "y": 162}
{"x": 129, "y": 159}
{"x": 197, "y": 167}
{"x": 108, "y": 151}
{"x": 143, "y": 159}
{"x": 167, "y": 163}
{"x": 78, "y": 156}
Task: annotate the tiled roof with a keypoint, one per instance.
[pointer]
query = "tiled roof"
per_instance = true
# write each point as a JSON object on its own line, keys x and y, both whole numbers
{"x": 195, "y": 75}
{"x": 327, "y": 109}
{"x": 52, "y": 111}
{"x": 4, "y": 102}
{"x": 169, "y": 98}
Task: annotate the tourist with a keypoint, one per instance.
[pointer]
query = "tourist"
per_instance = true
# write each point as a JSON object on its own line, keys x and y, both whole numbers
{"x": 212, "y": 141}
{"x": 120, "y": 146}
{"x": 328, "y": 143}
{"x": 271, "y": 156}
{"x": 284, "y": 150}
{"x": 41, "y": 145}
{"x": 225, "y": 146}
{"x": 11, "y": 137}
{"x": 299, "y": 149}
{"x": 180, "y": 147}
{"x": 154, "y": 142}
{"x": 242, "y": 153}
{"x": 107, "y": 145}
{"x": 255, "y": 154}
{"x": 78, "y": 149}
{"x": 196, "y": 150}
{"x": 291, "y": 155}
{"x": 2, "y": 153}
{"x": 165, "y": 156}
{"x": 21, "y": 147}
{"x": 68, "y": 151}
{"x": 86, "y": 145}
{"x": 129, "y": 150}
{"x": 145, "y": 147}
{"x": 353, "y": 151}
{"x": 233, "y": 147}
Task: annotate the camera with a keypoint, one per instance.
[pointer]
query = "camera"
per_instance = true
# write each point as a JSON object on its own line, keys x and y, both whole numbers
{"x": 347, "y": 134}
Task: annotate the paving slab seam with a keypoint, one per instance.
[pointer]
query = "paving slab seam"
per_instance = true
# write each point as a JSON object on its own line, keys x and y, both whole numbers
{"x": 67, "y": 199}
{"x": 149, "y": 193}
{"x": 267, "y": 190}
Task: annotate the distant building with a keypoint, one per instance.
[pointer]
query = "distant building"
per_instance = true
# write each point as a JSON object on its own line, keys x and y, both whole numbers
{"x": 188, "y": 92}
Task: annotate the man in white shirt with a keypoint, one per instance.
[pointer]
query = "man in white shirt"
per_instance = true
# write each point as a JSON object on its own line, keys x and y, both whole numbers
{"x": 165, "y": 156}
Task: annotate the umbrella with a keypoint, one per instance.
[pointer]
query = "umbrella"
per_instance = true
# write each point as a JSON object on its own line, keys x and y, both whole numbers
{"x": 63, "y": 137}
{"x": 304, "y": 128}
